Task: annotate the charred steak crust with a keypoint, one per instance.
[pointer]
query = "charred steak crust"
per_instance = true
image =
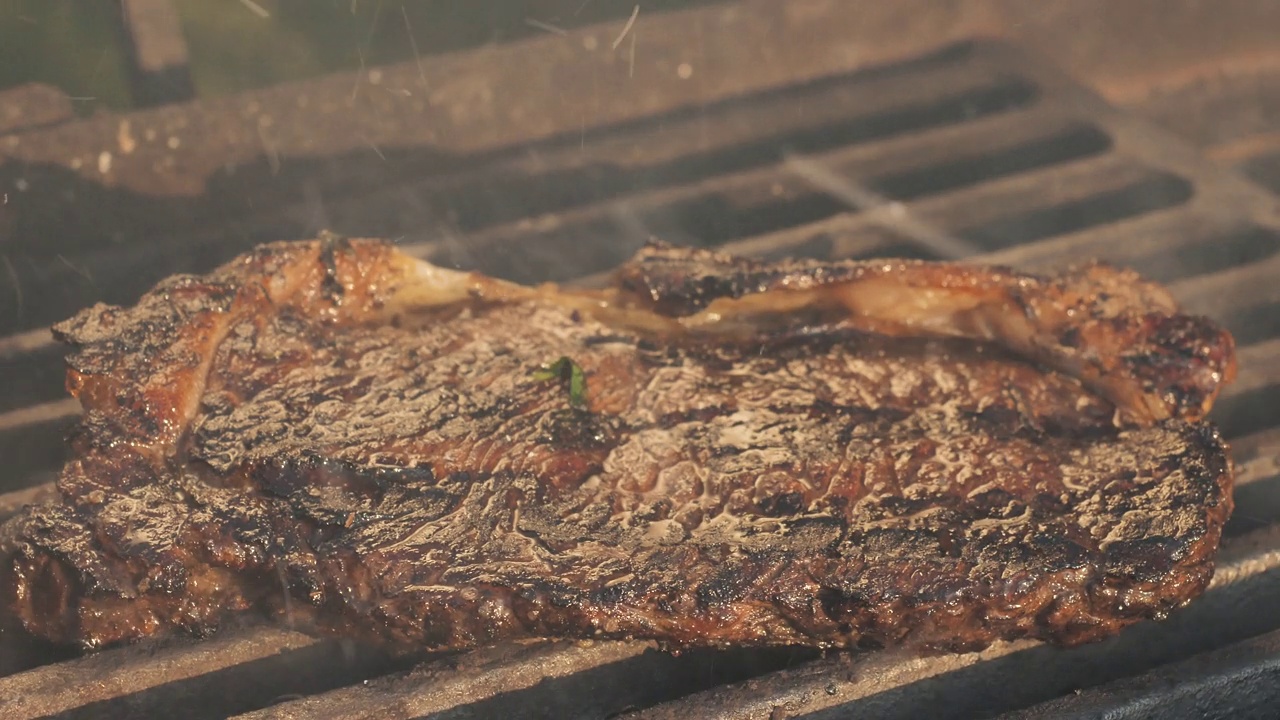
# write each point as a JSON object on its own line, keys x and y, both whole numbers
{"x": 1121, "y": 335}
{"x": 339, "y": 432}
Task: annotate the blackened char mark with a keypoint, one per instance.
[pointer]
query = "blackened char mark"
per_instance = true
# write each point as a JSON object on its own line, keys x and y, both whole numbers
{"x": 680, "y": 281}
{"x": 1185, "y": 362}
{"x": 337, "y": 492}
{"x": 330, "y": 245}
{"x": 577, "y": 429}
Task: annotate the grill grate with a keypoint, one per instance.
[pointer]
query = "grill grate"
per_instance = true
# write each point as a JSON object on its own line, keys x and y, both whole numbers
{"x": 978, "y": 141}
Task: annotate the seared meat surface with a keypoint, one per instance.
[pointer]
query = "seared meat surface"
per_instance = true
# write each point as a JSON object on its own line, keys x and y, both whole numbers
{"x": 835, "y": 455}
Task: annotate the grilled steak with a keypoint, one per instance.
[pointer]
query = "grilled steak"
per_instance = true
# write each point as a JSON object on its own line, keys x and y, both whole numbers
{"x": 713, "y": 451}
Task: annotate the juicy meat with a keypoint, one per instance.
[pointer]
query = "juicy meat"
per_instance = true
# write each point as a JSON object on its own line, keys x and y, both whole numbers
{"x": 842, "y": 454}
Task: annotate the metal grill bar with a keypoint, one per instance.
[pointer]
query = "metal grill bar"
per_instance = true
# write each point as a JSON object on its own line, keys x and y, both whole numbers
{"x": 748, "y": 205}
{"x": 1257, "y": 493}
{"x": 31, "y": 106}
{"x": 966, "y": 210}
{"x": 1128, "y": 241}
{"x": 12, "y": 502}
{"x": 158, "y": 50}
{"x": 1237, "y": 287}
{"x": 25, "y": 342}
{"x": 262, "y": 664}
{"x": 1238, "y": 682}
{"x": 33, "y": 449}
{"x": 31, "y": 415}
{"x": 1002, "y": 144}
{"x": 482, "y": 676}
{"x": 1257, "y": 368}
{"x": 452, "y": 101}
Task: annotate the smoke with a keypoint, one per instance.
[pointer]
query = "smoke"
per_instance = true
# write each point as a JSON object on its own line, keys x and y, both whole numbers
{"x": 878, "y": 209}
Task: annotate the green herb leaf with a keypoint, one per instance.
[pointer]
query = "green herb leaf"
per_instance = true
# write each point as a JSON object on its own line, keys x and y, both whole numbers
{"x": 577, "y": 386}
{"x": 566, "y": 369}
{"x": 551, "y": 371}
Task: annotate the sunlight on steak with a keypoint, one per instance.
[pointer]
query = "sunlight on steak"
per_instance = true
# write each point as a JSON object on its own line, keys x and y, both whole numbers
{"x": 799, "y": 453}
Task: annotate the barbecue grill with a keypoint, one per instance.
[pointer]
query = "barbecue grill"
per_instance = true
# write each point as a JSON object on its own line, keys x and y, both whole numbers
{"x": 554, "y": 158}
